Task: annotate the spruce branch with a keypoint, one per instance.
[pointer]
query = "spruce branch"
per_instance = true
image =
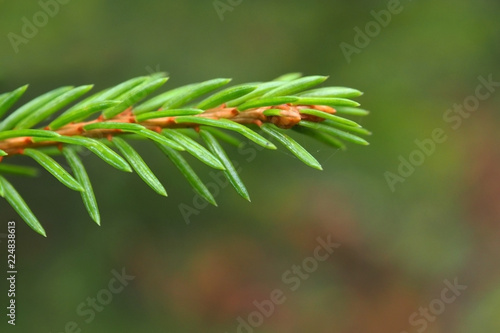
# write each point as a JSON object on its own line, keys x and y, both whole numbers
{"x": 183, "y": 119}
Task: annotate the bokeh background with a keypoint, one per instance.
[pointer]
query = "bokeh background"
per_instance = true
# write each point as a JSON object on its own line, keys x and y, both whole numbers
{"x": 396, "y": 247}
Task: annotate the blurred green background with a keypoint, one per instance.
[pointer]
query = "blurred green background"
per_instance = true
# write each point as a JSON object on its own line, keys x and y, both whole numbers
{"x": 396, "y": 247}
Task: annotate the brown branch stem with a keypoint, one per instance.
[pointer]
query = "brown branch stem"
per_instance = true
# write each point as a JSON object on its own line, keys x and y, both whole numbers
{"x": 290, "y": 116}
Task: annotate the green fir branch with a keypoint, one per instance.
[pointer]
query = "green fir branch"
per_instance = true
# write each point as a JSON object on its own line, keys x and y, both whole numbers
{"x": 193, "y": 119}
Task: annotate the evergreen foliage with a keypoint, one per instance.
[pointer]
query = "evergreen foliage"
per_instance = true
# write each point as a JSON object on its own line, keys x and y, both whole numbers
{"x": 192, "y": 119}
